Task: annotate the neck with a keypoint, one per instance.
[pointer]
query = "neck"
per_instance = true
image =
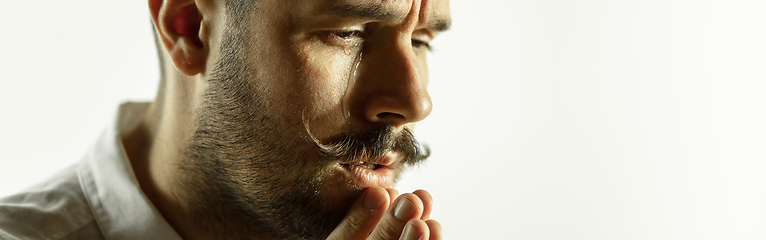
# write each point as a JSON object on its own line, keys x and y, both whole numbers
{"x": 155, "y": 148}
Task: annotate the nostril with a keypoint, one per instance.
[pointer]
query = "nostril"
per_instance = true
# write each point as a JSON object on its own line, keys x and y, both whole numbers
{"x": 390, "y": 117}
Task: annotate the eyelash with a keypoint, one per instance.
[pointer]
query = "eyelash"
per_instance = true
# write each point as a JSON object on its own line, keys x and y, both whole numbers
{"x": 419, "y": 44}
{"x": 348, "y": 34}
{"x": 345, "y": 35}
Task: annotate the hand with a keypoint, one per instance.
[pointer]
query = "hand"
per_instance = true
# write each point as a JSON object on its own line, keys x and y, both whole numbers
{"x": 376, "y": 215}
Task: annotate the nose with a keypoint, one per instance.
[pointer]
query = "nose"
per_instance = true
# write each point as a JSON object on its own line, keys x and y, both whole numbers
{"x": 390, "y": 86}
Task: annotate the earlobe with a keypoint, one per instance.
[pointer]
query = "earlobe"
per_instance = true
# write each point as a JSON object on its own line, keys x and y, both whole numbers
{"x": 178, "y": 24}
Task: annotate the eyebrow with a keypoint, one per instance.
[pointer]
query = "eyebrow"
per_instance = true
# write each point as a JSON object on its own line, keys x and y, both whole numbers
{"x": 439, "y": 24}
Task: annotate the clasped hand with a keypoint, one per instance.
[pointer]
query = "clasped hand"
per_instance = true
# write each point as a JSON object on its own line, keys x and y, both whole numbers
{"x": 379, "y": 214}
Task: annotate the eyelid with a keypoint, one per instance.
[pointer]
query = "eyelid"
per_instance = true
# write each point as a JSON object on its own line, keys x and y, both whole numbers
{"x": 341, "y": 37}
{"x": 423, "y": 35}
{"x": 422, "y": 38}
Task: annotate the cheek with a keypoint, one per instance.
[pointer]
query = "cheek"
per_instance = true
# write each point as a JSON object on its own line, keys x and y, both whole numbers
{"x": 325, "y": 76}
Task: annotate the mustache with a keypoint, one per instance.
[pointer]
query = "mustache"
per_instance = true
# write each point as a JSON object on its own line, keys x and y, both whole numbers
{"x": 371, "y": 145}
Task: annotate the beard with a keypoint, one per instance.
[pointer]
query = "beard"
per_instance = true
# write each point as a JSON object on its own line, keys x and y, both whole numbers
{"x": 250, "y": 174}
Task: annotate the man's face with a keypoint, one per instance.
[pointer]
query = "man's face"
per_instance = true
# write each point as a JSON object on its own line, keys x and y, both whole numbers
{"x": 301, "y": 94}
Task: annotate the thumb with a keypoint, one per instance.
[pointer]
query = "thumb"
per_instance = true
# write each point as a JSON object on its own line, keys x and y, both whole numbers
{"x": 363, "y": 215}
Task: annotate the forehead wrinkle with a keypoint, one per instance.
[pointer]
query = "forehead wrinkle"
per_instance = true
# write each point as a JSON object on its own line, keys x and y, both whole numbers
{"x": 365, "y": 10}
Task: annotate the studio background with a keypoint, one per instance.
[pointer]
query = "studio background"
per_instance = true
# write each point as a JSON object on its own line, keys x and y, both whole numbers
{"x": 552, "y": 119}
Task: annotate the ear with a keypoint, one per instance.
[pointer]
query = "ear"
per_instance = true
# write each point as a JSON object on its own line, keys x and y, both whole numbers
{"x": 178, "y": 27}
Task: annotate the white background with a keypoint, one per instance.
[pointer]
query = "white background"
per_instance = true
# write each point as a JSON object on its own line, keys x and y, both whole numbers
{"x": 552, "y": 119}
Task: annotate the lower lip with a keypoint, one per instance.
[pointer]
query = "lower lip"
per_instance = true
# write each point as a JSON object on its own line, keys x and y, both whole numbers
{"x": 364, "y": 177}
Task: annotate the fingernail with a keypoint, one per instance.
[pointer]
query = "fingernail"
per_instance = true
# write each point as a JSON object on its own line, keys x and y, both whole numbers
{"x": 410, "y": 233}
{"x": 370, "y": 201}
{"x": 404, "y": 209}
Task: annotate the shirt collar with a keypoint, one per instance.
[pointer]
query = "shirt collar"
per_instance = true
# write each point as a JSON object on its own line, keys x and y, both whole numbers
{"x": 120, "y": 208}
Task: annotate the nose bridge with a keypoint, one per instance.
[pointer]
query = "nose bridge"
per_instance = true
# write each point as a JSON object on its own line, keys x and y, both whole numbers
{"x": 391, "y": 85}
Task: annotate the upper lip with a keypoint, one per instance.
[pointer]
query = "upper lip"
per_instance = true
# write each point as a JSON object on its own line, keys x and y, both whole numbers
{"x": 388, "y": 159}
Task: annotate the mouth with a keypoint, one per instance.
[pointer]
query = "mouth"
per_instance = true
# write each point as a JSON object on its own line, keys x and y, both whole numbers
{"x": 367, "y": 174}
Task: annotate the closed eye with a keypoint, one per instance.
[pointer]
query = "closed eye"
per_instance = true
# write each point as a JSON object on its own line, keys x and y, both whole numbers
{"x": 418, "y": 44}
{"x": 342, "y": 38}
{"x": 348, "y": 34}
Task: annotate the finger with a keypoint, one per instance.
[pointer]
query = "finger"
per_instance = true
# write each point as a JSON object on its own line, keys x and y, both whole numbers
{"x": 415, "y": 229}
{"x": 434, "y": 229}
{"x": 427, "y": 203}
{"x": 408, "y": 206}
{"x": 363, "y": 216}
{"x": 392, "y": 193}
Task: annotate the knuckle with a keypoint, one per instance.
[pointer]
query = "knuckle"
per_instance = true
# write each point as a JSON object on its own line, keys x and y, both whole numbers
{"x": 347, "y": 232}
{"x": 353, "y": 224}
{"x": 388, "y": 231}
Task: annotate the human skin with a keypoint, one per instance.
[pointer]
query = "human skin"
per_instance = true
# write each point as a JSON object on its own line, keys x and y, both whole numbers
{"x": 340, "y": 73}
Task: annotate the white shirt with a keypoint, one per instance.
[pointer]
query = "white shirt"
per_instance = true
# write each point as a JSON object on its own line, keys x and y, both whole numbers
{"x": 97, "y": 198}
